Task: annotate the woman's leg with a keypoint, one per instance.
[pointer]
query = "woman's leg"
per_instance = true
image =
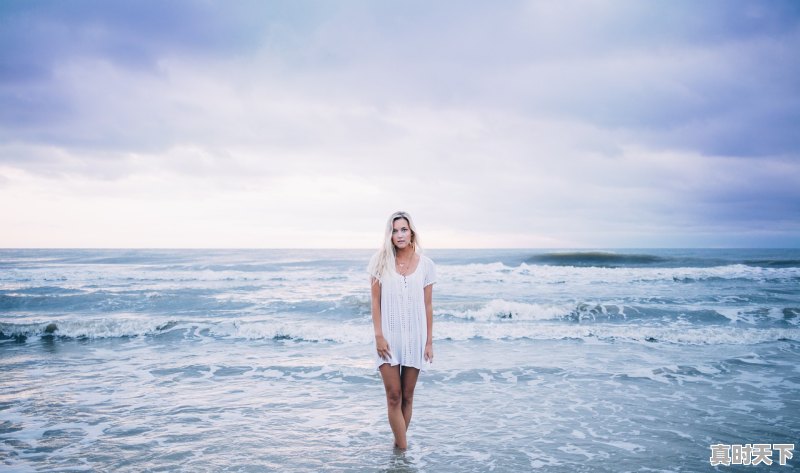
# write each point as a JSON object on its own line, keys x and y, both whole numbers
{"x": 394, "y": 398}
{"x": 408, "y": 381}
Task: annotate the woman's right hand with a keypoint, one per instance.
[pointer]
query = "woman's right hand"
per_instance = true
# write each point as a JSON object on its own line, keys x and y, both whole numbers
{"x": 383, "y": 347}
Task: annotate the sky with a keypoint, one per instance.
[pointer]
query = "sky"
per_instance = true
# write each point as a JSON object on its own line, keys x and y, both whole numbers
{"x": 305, "y": 124}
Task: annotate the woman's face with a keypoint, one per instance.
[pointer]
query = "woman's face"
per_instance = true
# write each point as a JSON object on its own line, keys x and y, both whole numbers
{"x": 401, "y": 233}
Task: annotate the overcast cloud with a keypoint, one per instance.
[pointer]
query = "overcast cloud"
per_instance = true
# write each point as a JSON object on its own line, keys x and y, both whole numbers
{"x": 496, "y": 124}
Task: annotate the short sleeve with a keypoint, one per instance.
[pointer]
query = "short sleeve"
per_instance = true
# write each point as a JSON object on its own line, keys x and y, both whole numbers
{"x": 430, "y": 272}
{"x": 372, "y": 268}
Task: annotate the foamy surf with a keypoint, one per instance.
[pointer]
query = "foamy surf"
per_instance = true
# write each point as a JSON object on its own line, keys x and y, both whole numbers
{"x": 118, "y": 360}
{"x": 358, "y": 332}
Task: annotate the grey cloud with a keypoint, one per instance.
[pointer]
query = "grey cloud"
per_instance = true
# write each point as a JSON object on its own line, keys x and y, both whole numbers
{"x": 652, "y": 68}
{"x": 132, "y": 33}
{"x": 42, "y": 38}
{"x": 504, "y": 105}
{"x": 649, "y": 67}
{"x": 758, "y": 192}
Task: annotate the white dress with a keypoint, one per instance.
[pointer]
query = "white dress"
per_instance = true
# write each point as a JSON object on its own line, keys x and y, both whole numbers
{"x": 403, "y": 320}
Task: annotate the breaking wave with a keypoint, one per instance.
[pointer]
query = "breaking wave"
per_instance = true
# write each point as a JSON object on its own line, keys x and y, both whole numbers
{"x": 360, "y": 333}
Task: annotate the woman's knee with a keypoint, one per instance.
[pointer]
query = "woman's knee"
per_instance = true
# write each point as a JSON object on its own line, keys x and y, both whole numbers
{"x": 394, "y": 398}
{"x": 407, "y": 403}
{"x": 408, "y": 396}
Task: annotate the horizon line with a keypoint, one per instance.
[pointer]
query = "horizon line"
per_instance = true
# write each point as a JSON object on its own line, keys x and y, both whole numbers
{"x": 577, "y": 248}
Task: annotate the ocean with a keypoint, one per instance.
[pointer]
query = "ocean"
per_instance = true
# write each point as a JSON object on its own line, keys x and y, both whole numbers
{"x": 260, "y": 360}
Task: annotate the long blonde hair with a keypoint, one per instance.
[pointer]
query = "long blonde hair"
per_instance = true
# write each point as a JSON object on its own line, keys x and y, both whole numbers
{"x": 384, "y": 260}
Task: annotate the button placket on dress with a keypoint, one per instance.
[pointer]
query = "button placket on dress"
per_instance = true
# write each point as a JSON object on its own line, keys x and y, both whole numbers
{"x": 404, "y": 320}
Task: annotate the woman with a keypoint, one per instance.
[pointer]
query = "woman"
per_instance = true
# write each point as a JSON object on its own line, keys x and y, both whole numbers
{"x": 402, "y": 281}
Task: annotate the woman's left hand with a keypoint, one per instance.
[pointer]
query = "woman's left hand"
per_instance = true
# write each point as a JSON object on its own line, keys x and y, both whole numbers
{"x": 429, "y": 352}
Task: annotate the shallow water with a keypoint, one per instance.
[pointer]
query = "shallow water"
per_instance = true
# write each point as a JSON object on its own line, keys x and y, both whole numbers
{"x": 259, "y": 360}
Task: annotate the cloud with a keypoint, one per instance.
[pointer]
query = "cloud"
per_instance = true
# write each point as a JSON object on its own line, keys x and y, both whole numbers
{"x": 587, "y": 123}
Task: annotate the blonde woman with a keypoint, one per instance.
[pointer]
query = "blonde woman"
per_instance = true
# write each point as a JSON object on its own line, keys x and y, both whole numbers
{"x": 402, "y": 281}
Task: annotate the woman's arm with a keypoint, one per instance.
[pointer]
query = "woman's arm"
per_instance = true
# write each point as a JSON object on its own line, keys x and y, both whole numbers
{"x": 429, "y": 319}
{"x": 380, "y": 343}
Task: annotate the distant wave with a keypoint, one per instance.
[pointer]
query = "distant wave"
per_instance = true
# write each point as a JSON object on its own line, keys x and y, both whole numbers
{"x": 596, "y": 258}
{"x": 610, "y": 259}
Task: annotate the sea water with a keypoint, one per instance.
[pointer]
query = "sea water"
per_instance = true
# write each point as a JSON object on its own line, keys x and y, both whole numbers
{"x": 260, "y": 360}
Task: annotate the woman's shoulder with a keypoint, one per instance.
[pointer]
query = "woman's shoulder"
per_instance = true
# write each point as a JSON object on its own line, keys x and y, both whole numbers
{"x": 424, "y": 259}
{"x": 428, "y": 270}
{"x": 374, "y": 267}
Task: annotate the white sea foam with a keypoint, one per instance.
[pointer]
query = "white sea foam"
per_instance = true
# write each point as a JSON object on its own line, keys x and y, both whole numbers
{"x": 87, "y": 328}
{"x": 546, "y": 274}
{"x": 512, "y": 310}
{"x": 606, "y": 332}
{"x": 311, "y": 331}
{"x": 359, "y": 332}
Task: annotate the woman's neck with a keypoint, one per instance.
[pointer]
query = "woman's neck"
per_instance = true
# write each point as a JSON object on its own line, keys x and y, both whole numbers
{"x": 404, "y": 252}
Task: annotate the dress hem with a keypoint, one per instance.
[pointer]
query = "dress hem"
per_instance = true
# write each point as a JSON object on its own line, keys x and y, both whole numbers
{"x": 424, "y": 366}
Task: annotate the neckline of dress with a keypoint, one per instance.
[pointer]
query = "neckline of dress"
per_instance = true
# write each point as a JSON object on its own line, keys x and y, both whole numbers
{"x": 413, "y": 272}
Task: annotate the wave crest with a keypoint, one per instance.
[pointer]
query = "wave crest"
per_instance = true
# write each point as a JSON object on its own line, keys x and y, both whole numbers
{"x": 596, "y": 258}
{"x": 360, "y": 332}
